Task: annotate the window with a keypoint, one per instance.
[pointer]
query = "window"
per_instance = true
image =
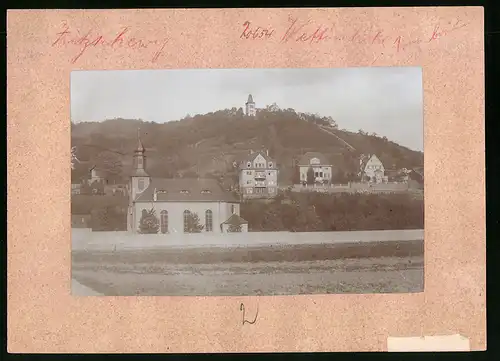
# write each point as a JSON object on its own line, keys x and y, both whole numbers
{"x": 249, "y": 172}
{"x": 321, "y": 174}
{"x": 184, "y": 191}
{"x": 249, "y": 182}
{"x": 186, "y": 220}
{"x": 249, "y": 165}
{"x": 268, "y": 173}
{"x": 233, "y": 209}
{"x": 316, "y": 174}
{"x": 271, "y": 183}
{"x": 139, "y": 161}
{"x": 270, "y": 164}
{"x": 164, "y": 221}
{"x": 140, "y": 184}
{"x": 206, "y": 191}
{"x": 208, "y": 221}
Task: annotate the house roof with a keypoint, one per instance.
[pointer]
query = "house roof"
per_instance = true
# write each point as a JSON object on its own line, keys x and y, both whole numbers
{"x": 306, "y": 159}
{"x": 98, "y": 172}
{"x": 365, "y": 158}
{"x": 251, "y": 157}
{"x": 186, "y": 190}
{"x": 250, "y": 98}
{"x": 235, "y": 220}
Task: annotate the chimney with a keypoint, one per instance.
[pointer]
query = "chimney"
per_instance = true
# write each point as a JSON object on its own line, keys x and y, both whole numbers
{"x": 267, "y": 152}
{"x": 155, "y": 197}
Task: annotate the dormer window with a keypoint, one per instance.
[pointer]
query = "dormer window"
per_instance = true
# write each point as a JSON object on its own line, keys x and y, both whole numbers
{"x": 249, "y": 165}
{"x": 184, "y": 191}
{"x": 270, "y": 164}
{"x": 206, "y": 191}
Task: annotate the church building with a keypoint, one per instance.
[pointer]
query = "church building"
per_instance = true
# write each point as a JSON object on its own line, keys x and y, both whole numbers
{"x": 176, "y": 201}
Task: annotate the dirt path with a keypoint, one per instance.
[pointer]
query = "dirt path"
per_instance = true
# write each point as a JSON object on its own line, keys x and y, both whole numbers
{"x": 378, "y": 275}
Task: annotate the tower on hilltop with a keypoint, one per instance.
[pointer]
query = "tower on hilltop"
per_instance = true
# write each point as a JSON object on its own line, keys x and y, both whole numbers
{"x": 250, "y": 106}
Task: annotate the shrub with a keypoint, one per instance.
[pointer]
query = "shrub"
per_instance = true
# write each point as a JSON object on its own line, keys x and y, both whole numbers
{"x": 192, "y": 224}
{"x": 149, "y": 223}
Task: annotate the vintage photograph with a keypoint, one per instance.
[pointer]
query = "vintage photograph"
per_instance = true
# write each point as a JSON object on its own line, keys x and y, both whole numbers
{"x": 228, "y": 182}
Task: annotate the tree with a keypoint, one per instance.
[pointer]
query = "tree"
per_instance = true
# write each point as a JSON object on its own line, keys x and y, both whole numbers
{"x": 192, "y": 224}
{"x": 109, "y": 162}
{"x": 149, "y": 223}
{"x": 310, "y": 176}
{"x": 234, "y": 228}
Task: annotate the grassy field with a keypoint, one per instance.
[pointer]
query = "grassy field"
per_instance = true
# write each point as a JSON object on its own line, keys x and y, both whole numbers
{"x": 239, "y": 272}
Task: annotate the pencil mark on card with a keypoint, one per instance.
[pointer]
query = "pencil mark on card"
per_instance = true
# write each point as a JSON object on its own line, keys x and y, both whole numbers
{"x": 243, "y": 316}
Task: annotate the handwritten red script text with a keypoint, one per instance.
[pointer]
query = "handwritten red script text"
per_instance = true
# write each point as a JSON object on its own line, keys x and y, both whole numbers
{"x": 299, "y": 31}
{"x": 304, "y": 31}
{"x": 122, "y": 39}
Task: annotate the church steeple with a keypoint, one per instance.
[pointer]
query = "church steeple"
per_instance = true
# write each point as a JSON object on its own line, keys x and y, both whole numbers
{"x": 250, "y": 106}
{"x": 139, "y": 158}
{"x": 140, "y": 147}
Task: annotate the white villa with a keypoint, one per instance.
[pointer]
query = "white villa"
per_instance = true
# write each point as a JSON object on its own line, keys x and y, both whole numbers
{"x": 372, "y": 169}
{"x": 319, "y": 163}
{"x": 176, "y": 200}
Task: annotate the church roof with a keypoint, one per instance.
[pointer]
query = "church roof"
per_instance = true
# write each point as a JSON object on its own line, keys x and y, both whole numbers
{"x": 250, "y": 98}
{"x": 235, "y": 220}
{"x": 186, "y": 190}
{"x": 305, "y": 160}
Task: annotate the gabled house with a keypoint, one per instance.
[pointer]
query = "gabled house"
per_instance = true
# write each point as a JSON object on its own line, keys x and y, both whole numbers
{"x": 258, "y": 175}
{"x": 96, "y": 175}
{"x": 371, "y": 169}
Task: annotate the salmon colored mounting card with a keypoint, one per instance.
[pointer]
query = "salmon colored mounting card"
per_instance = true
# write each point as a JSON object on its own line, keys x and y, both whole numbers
{"x": 44, "y": 47}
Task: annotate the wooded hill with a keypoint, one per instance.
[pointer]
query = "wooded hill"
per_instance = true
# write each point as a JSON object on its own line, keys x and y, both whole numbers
{"x": 207, "y": 145}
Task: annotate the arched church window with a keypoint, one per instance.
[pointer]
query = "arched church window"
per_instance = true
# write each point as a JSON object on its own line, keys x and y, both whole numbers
{"x": 164, "y": 221}
{"x": 208, "y": 220}
{"x": 186, "y": 220}
{"x": 140, "y": 184}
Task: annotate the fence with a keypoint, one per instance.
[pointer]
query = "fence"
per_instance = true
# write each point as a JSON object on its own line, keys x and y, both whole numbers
{"x": 353, "y": 187}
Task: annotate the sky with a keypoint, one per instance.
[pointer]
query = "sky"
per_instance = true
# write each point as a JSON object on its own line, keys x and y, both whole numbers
{"x": 384, "y": 100}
